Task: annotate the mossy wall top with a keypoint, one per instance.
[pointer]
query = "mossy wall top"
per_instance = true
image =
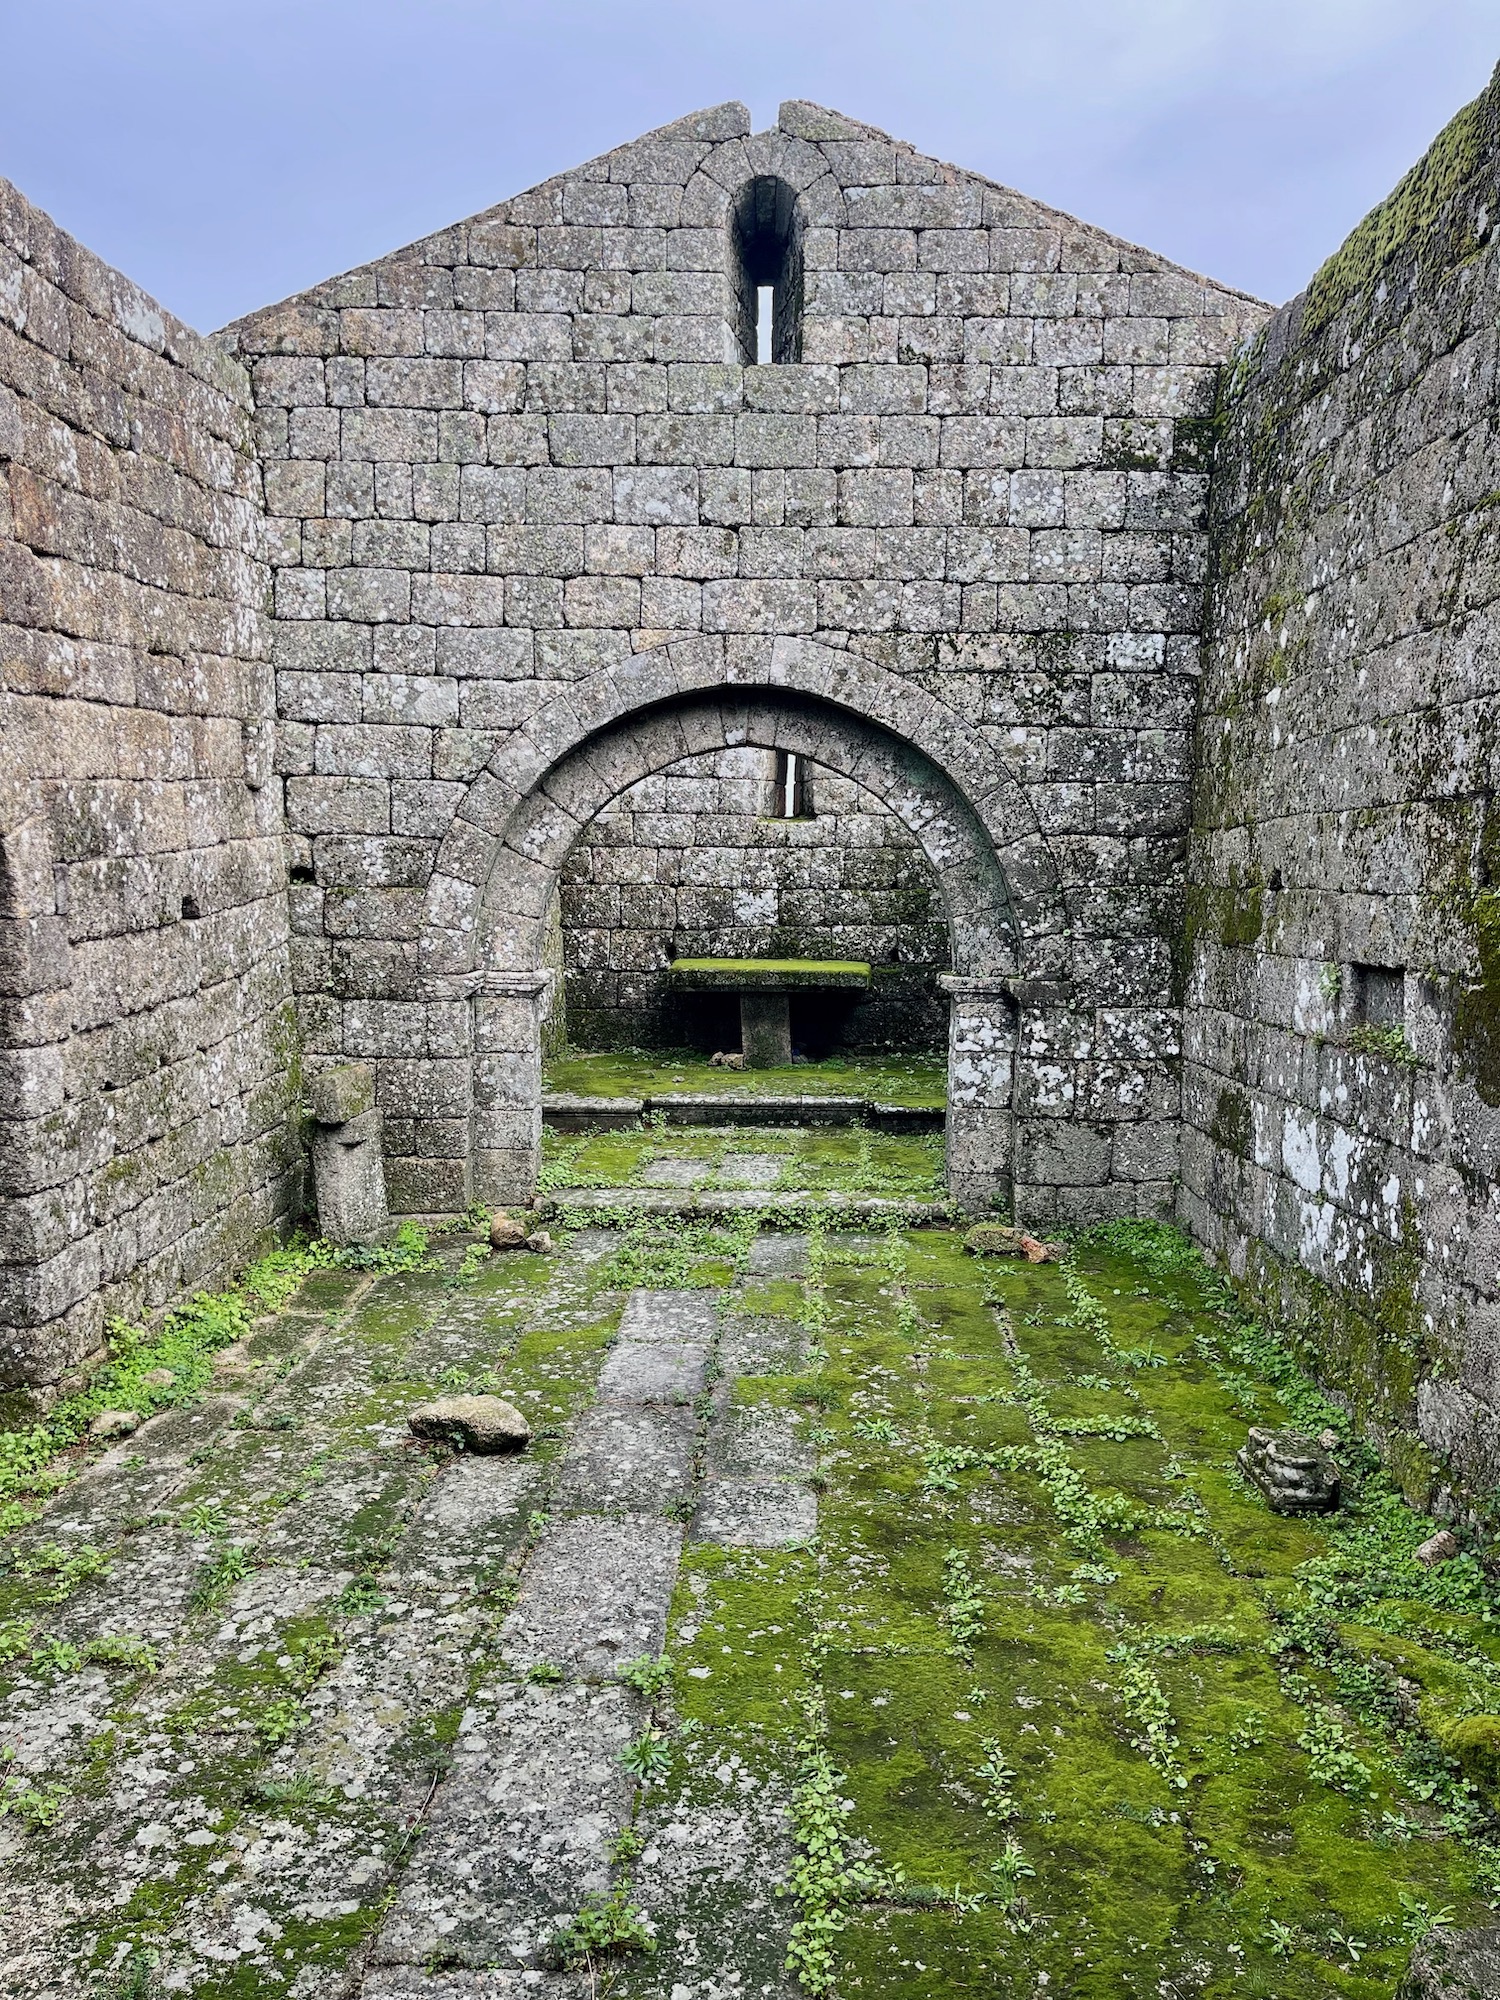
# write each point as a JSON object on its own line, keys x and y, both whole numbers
{"x": 1342, "y": 1080}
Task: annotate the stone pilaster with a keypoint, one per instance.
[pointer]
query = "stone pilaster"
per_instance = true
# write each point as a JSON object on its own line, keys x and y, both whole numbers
{"x": 981, "y": 1078}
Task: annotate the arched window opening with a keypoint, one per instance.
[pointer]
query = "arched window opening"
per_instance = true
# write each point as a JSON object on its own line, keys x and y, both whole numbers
{"x": 767, "y": 241}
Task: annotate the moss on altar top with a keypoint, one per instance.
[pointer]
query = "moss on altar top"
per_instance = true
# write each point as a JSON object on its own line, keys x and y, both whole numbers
{"x": 733, "y": 975}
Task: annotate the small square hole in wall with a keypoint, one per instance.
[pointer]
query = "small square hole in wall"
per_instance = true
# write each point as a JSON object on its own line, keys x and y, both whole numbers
{"x": 1378, "y": 995}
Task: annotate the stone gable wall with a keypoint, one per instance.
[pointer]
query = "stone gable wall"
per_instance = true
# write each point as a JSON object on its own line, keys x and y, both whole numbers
{"x": 687, "y": 865}
{"x": 1346, "y": 845}
{"x": 509, "y": 460}
{"x": 147, "y": 1054}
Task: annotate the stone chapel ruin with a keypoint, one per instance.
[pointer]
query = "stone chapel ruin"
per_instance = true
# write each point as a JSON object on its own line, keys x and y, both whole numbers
{"x": 1134, "y": 643}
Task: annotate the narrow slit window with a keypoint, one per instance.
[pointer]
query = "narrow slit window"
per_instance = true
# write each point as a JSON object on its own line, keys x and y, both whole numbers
{"x": 791, "y": 787}
{"x": 766, "y": 270}
{"x": 765, "y": 309}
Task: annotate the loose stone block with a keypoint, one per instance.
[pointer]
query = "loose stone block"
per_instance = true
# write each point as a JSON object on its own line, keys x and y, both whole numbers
{"x": 1293, "y": 1473}
{"x": 343, "y": 1093}
{"x": 473, "y": 1423}
{"x": 349, "y": 1175}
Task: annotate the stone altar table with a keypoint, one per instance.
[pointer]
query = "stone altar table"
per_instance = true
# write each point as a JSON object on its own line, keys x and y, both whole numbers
{"x": 765, "y": 987}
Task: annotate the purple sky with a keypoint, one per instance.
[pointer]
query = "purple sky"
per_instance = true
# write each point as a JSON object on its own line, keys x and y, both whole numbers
{"x": 226, "y": 156}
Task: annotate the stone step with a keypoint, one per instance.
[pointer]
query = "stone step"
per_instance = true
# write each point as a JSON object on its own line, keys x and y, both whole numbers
{"x": 707, "y": 1204}
{"x": 565, "y": 1112}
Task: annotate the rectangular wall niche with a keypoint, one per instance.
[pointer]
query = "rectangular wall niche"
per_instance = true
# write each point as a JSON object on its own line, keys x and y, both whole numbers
{"x": 1378, "y": 995}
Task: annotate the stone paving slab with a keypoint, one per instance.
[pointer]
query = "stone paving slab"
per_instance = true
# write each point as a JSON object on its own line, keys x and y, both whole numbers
{"x": 670, "y": 1173}
{"x": 775, "y": 1254}
{"x": 415, "y": 1982}
{"x": 704, "y": 1204}
{"x": 473, "y": 1516}
{"x": 761, "y": 1344}
{"x": 408, "y": 1661}
{"x": 594, "y": 1595}
{"x": 675, "y": 1316}
{"x": 642, "y": 1371}
{"x": 710, "y": 1874}
{"x": 759, "y": 1440}
{"x": 751, "y": 1170}
{"x": 516, "y": 1835}
{"x": 633, "y": 1456}
{"x": 756, "y": 1513}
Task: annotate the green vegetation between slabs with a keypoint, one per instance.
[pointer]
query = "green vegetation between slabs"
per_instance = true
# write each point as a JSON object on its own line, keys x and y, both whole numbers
{"x": 1050, "y": 1702}
{"x": 1072, "y": 1711}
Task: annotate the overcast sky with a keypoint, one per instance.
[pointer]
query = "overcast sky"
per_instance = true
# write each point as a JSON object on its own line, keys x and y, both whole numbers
{"x": 227, "y": 155}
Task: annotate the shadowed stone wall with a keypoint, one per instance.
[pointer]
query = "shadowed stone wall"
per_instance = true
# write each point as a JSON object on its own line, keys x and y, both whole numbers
{"x": 147, "y": 1056}
{"x": 689, "y": 864}
{"x": 508, "y": 461}
{"x": 1342, "y": 1089}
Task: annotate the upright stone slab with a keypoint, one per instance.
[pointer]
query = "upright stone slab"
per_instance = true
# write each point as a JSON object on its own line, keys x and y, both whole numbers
{"x": 348, "y": 1172}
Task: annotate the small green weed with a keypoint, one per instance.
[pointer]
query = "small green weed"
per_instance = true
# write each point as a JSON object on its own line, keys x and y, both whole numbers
{"x": 649, "y": 1675}
{"x": 649, "y": 1757}
{"x": 963, "y": 1605}
{"x": 607, "y": 1924}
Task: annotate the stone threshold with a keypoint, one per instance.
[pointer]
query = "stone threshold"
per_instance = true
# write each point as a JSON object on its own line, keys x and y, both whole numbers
{"x": 566, "y": 1113}
{"x": 704, "y": 1204}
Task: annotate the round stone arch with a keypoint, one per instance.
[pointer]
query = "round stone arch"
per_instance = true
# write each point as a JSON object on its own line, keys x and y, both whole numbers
{"x": 500, "y": 866}
{"x": 655, "y": 680}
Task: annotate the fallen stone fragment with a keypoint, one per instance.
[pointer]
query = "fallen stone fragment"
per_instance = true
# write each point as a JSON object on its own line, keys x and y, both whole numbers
{"x": 726, "y": 1059}
{"x": 993, "y": 1239}
{"x": 1329, "y": 1440}
{"x": 1037, "y": 1252}
{"x": 998, "y": 1239}
{"x": 1293, "y": 1474}
{"x": 1439, "y": 1548}
{"x": 1474, "y": 1740}
{"x": 540, "y": 1242}
{"x": 1454, "y": 1965}
{"x": 506, "y": 1233}
{"x": 473, "y": 1423}
{"x": 114, "y": 1424}
{"x": 158, "y": 1378}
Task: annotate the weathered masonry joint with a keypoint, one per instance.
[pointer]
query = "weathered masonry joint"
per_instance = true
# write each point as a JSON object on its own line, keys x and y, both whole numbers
{"x": 773, "y": 546}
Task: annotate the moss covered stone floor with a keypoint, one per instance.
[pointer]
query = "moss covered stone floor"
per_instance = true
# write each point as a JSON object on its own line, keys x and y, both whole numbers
{"x": 913, "y": 1080}
{"x": 863, "y": 1619}
{"x": 768, "y": 1163}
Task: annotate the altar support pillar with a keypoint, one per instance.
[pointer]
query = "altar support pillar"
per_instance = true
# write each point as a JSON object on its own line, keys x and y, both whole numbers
{"x": 982, "y": 1037}
{"x": 766, "y": 1030}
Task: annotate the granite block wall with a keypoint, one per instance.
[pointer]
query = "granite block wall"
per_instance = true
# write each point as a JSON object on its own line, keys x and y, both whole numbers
{"x": 507, "y": 463}
{"x": 1342, "y": 1075}
{"x": 147, "y": 1045}
{"x": 693, "y": 864}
